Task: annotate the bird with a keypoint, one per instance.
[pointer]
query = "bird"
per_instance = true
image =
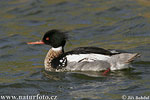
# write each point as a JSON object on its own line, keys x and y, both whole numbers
{"x": 82, "y": 58}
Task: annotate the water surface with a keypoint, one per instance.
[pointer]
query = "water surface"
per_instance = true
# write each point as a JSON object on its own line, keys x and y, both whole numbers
{"x": 113, "y": 24}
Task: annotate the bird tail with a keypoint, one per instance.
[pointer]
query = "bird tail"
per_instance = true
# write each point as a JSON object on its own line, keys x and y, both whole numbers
{"x": 125, "y": 57}
{"x": 133, "y": 57}
{"x": 121, "y": 61}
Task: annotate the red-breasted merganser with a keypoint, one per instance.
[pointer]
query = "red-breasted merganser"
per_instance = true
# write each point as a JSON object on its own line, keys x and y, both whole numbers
{"x": 81, "y": 58}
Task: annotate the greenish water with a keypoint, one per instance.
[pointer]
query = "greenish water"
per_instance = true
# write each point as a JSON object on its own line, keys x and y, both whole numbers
{"x": 110, "y": 24}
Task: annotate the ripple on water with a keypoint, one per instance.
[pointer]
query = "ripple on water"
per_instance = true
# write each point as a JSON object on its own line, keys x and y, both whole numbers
{"x": 5, "y": 56}
{"x": 5, "y": 47}
{"x": 32, "y": 23}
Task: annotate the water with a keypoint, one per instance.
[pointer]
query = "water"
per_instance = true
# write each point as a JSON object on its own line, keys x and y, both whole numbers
{"x": 113, "y": 24}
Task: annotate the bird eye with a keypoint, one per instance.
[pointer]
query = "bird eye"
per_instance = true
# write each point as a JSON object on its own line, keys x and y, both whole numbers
{"x": 47, "y": 38}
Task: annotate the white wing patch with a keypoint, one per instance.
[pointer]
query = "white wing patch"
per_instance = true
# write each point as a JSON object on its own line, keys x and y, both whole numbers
{"x": 86, "y": 57}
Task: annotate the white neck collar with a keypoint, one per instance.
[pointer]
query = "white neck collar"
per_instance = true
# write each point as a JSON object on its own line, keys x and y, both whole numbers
{"x": 57, "y": 49}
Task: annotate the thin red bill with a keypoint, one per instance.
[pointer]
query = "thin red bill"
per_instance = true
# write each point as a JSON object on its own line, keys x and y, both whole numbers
{"x": 37, "y": 42}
